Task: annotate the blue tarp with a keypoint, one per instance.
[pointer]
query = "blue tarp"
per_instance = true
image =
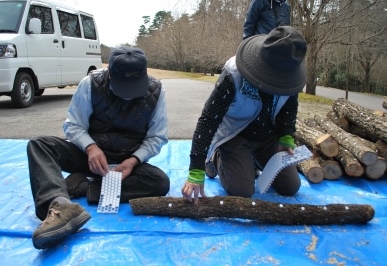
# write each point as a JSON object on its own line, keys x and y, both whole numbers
{"x": 127, "y": 239}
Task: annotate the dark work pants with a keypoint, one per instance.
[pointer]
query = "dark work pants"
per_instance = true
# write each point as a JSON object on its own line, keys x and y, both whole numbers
{"x": 49, "y": 156}
{"x": 237, "y": 159}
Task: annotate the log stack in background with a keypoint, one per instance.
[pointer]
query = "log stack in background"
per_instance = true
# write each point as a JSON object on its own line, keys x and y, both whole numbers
{"x": 349, "y": 139}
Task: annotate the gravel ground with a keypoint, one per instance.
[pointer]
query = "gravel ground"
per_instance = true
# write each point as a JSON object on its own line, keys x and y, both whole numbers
{"x": 309, "y": 110}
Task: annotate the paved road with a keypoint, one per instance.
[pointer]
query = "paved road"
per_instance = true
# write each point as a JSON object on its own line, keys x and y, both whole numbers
{"x": 185, "y": 100}
{"x": 372, "y": 102}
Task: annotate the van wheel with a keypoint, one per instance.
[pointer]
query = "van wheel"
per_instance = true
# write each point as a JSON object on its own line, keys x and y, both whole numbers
{"x": 39, "y": 92}
{"x": 23, "y": 91}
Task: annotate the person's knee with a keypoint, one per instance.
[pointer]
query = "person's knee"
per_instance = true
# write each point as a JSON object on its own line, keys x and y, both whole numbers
{"x": 33, "y": 144}
{"x": 289, "y": 189}
{"x": 164, "y": 186}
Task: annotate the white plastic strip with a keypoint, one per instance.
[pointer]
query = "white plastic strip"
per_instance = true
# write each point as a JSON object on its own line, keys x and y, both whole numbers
{"x": 109, "y": 201}
{"x": 278, "y": 162}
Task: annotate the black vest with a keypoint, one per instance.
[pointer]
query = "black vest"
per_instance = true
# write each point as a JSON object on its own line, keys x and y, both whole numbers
{"x": 119, "y": 126}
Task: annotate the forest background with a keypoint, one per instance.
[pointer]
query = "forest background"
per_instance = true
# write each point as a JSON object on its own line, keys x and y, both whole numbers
{"x": 347, "y": 40}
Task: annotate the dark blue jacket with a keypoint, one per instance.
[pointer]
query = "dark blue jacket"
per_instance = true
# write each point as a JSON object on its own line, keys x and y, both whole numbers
{"x": 261, "y": 17}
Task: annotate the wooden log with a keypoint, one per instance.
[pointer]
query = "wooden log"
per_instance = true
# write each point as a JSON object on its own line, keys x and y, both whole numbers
{"x": 341, "y": 122}
{"x": 254, "y": 209}
{"x": 312, "y": 170}
{"x": 384, "y": 104}
{"x": 381, "y": 148}
{"x": 316, "y": 139}
{"x": 348, "y": 161}
{"x": 348, "y": 126}
{"x": 332, "y": 169}
{"x": 364, "y": 154}
{"x": 364, "y": 118}
{"x": 376, "y": 170}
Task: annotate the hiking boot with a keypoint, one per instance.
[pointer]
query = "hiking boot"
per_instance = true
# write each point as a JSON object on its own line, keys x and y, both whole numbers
{"x": 61, "y": 221}
{"x": 77, "y": 184}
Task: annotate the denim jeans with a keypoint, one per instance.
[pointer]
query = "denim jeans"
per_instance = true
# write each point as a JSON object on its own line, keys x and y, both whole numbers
{"x": 49, "y": 156}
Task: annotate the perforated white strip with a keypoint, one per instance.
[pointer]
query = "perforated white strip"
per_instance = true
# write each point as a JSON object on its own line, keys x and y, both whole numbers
{"x": 109, "y": 201}
{"x": 278, "y": 162}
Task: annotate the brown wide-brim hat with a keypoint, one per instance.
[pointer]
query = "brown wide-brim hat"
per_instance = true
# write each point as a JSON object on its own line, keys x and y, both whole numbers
{"x": 273, "y": 63}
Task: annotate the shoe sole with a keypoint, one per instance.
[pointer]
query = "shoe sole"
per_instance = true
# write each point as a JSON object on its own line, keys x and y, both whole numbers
{"x": 52, "y": 238}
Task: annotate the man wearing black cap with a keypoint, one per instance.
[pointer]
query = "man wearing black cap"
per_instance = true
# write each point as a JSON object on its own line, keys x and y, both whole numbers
{"x": 117, "y": 117}
{"x": 264, "y": 15}
{"x": 250, "y": 116}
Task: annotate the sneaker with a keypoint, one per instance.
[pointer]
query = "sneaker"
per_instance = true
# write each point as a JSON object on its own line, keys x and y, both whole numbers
{"x": 61, "y": 221}
{"x": 77, "y": 184}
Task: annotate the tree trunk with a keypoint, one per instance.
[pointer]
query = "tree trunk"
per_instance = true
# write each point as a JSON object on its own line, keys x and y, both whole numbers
{"x": 311, "y": 64}
{"x": 316, "y": 139}
{"x": 364, "y": 154}
{"x": 312, "y": 170}
{"x": 364, "y": 118}
{"x": 351, "y": 165}
{"x": 254, "y": 209}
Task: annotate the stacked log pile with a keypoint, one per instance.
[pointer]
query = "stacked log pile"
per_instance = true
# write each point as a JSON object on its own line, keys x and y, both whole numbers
{"x": 349, "y": 139}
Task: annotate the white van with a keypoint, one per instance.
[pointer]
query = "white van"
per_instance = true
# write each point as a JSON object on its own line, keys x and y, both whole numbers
{"x": 44, "y": 43}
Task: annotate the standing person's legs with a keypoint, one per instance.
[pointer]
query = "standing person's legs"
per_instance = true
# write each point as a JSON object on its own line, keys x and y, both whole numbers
{"x": 235, "y": 167}
{"x": 287, "y": 182}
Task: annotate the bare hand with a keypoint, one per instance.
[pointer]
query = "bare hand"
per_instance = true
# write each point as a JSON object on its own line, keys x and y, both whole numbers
{"x": 189, "y": 188}
{"x": 288, "y": 149}
{"x": 126, "y": 167}
{"x": 97, "y": 160}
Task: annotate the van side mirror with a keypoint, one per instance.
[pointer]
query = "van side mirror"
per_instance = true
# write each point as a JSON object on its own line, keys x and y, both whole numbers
{"x": 35, "y": 26}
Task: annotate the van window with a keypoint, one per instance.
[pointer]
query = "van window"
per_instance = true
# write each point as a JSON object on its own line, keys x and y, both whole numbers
{"x": 69, "y": 24}
{"x": 45, "y": 16}
{"x": 88, "y": 27}
{"x": 10, "y": 16}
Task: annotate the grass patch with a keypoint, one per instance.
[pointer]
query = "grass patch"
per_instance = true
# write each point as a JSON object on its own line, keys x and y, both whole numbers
{"x": 307, "y": 98}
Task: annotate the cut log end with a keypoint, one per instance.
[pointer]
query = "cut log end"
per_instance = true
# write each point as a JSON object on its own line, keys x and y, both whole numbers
{"x": 315, "y": 175}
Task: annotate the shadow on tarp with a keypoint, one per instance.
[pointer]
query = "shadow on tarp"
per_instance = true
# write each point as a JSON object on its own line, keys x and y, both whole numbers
{"x": 126, "y": 239}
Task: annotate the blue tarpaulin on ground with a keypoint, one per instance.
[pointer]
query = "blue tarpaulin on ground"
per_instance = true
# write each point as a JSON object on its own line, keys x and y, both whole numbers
{"x": 128, "y": 239}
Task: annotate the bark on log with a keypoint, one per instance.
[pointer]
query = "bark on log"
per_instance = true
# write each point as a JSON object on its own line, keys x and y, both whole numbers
{"x": 364, "y": 118}
{"x": 341, "y": 122}
{"x": 376, "y": 170}
{"x": 385, "y": 104}
{"x": 312, "y": 170}
{"x": 364, "y": 154}
{"x": 381, "y": 148}
{"x": 348, "y": 161}
{"x": 332, "y": 170}
{"x": 254, "y": 209}
{"x": 348, "y": 126}
{"x": 316, "y": 139}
